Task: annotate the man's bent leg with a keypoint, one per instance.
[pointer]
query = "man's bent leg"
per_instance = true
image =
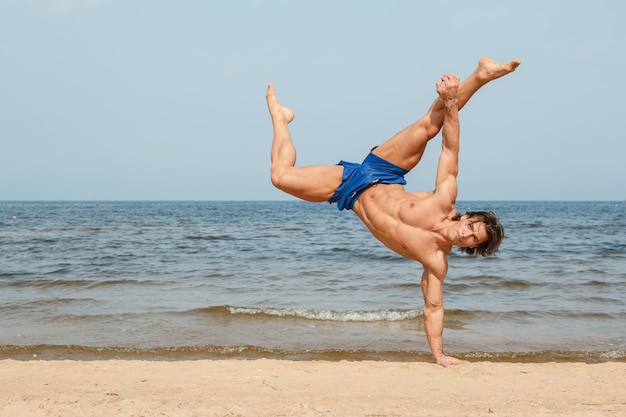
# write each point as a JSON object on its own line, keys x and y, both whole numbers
{"x": 316, "y": 183}
{"x": 406, "y": 148}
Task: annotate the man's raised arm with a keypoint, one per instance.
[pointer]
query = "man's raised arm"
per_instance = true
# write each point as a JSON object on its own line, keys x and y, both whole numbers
{"x": 445, "y": 193}
{"x": 448, "y": 167}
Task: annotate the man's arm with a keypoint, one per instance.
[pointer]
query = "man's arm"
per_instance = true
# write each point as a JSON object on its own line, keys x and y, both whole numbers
{"x": 448, "y": 168}
{"x": 434, "y": 317}
{"x": 445, "y": 192}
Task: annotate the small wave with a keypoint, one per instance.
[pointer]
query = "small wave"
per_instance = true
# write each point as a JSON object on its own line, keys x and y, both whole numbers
{"x": 59, "y": 271}
{"x": 212, "y": 237}
{"x": 58, "y": 302}
{"x": 12, "y": 276}
{"x": 597, "y": 283}
{"x": 331, "y": 315}
{"x": 314, "y": 314}
{"x": 549, "y": 356}
{"x": 68, "y": 283}
{"x": 56, "y": 283}
{"x": 206, "y": 352}
{"x": 383, "y": 315}
{"x": 490, "y": 281}
{"x": 115, "y": 282}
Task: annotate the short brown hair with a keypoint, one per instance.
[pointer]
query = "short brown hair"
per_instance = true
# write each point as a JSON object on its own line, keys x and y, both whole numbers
{"x": 495, "y": 233}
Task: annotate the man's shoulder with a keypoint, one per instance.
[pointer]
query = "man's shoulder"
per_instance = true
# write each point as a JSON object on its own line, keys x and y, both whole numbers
{"x": 436, "y": 262}
{"x": 423, "y": 243}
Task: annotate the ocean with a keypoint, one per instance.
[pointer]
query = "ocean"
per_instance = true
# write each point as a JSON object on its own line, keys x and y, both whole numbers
{"x": 295, "y": 280}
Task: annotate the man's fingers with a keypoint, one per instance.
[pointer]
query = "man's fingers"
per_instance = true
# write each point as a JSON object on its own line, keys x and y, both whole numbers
{"x": 447, "y": 80}
{"x": 447, "y": 361}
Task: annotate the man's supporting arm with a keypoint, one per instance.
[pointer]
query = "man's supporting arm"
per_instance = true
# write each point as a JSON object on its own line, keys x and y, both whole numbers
{"x": 445, "y": 191}
{"x": 448, "y": 167}
{"x": 432, "y": 288}
{"x": 433, "y": 313}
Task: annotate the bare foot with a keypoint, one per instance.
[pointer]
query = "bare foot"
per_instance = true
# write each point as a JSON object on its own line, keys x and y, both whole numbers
{"x": 278, "y": 112}
{"x": 489, "y": 69}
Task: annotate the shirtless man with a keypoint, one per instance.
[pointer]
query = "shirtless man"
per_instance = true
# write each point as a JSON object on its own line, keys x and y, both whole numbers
{"x": 422, "y": 226}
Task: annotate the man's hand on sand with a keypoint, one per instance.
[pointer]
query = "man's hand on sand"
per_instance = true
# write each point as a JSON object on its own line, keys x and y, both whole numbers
{"x": 447, "y": 361}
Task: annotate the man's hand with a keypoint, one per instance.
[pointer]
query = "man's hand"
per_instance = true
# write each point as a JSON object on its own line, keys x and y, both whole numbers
{"x": 447, "y": 87}
{"x": 447, "y": 361}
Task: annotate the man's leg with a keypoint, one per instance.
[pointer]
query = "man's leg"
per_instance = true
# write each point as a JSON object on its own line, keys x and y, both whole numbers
{"x": 406, "y": 148}
{"x": 313, "y": 183}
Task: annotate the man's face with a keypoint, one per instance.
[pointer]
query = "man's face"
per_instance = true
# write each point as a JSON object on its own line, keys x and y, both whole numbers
{"x": 470, "y": 233}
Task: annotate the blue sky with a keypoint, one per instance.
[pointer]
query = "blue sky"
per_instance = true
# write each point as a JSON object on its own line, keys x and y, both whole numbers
{"x": 164, "y": 100}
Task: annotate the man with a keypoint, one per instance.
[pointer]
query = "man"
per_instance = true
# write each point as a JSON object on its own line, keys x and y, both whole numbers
{"x": 417, "y": 225}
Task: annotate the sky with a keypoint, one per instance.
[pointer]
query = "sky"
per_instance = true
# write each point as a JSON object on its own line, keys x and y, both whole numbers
{"x": 165, "y": 100}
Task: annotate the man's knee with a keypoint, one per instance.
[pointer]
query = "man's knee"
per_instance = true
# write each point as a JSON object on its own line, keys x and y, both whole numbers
{"x": 284, "y": 179}
{"x": 430, "y": 129}
{"x": 277, "y": 175}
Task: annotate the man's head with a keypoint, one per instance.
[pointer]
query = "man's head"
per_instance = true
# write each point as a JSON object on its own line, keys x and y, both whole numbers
{"x": 495, "y": 232}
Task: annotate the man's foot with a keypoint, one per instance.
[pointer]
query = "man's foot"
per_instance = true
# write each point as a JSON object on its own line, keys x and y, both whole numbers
{"x": 278, "y": 112}
{"x": 489, "y": 69}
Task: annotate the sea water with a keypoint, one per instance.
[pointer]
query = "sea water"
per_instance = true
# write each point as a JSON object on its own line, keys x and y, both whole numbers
{"x": 297, "y": 280}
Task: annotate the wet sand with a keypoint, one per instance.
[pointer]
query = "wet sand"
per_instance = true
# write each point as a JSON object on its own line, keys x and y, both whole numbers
{"x": 309, "y": 388}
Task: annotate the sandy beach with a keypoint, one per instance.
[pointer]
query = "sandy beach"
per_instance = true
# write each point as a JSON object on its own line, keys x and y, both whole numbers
{"x": 309, "y": 388}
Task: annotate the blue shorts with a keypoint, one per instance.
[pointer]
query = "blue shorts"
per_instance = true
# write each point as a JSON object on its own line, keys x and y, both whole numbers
{"x": 357, "y": 177}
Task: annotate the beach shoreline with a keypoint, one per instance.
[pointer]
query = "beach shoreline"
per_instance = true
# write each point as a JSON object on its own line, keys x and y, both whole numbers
{"x": 270, "y": 387}
{"x": 211, "y": 353}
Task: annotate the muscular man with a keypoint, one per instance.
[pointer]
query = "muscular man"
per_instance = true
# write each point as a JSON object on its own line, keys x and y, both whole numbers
{"x": 422, "y": 226}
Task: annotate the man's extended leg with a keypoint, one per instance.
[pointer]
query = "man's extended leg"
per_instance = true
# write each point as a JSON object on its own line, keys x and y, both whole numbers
{"x": 313, "y": 183}
{"x": 406, "y": 148}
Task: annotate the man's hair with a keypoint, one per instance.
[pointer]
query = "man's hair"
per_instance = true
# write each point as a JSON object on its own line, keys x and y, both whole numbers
{"x": 495, "y": 233}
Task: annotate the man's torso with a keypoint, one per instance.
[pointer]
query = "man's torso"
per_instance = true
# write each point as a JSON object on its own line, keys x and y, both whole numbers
{"x": 404, "y": 222}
